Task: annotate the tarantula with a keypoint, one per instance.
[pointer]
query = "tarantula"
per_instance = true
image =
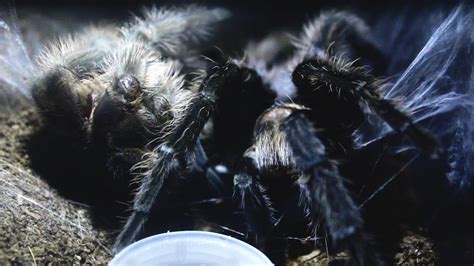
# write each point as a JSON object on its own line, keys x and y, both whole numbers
{"x": 126, "y": 94}
{"x": 287, "y": 135}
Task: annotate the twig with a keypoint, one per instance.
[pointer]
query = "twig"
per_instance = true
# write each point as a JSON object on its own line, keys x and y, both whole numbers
{"x": 33, "y": 256}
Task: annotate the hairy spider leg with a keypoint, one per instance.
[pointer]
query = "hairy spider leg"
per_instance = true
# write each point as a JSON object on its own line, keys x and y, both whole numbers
{"x": 251, "y": 197}
{"x": 316, "y": 72}
{"x": 343, "y": 35}
{"x": 323, "y": 191}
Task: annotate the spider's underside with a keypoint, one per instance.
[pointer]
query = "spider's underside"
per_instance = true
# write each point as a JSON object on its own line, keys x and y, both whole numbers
{"x": 129, "y": 97}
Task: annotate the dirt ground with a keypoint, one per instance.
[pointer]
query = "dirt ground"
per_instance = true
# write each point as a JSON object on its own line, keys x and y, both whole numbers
{"x": 40, "y": 226}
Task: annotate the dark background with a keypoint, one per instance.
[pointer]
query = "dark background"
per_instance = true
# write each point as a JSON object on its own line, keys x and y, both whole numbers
{"x": 251, "y": 19}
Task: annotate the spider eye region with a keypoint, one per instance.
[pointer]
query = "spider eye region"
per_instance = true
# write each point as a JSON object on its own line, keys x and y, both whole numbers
{"x": 130, "y": 86}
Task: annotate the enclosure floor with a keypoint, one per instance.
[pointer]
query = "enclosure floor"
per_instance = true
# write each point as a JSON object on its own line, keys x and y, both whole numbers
{"x": 39, "y": 226}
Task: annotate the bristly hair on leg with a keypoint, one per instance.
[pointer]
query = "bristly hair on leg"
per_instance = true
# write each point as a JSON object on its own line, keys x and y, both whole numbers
{"x": 175, "y": 32}
{"x": 356, "y": 83}
{"x": 343, "y": 35}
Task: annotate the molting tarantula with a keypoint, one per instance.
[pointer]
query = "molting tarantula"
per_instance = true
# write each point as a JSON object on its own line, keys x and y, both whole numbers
{"x": 108, "y": 95}
{"x": 275, "y": 124}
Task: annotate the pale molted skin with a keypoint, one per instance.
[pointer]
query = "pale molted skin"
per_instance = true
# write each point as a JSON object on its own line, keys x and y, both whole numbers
{"x": 117, "y": 92}
{"x": 108, "y": 80}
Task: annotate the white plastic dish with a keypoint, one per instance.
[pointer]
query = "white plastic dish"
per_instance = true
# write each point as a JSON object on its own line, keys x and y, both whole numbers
{"x": 190, "y": 248}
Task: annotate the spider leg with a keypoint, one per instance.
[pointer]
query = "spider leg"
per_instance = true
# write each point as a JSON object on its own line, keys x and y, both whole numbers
{"x": 252, "y": 198}
{"x": 343, "y": 35}
{"x": 63, "y": 92}
{"x": 398, "y": 120}
{"x": 200, "y": 164}
{"x": 259, "y": 214}
{"x": 323, "y": 188}
{"x": 57, "y": 98}
{"x": 347, "y": 82}
{"x": 180, "y": 143}
{"x": 176, "y": 32}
